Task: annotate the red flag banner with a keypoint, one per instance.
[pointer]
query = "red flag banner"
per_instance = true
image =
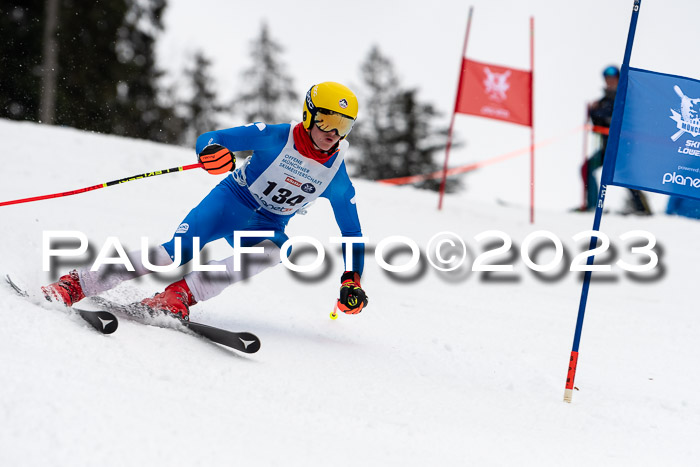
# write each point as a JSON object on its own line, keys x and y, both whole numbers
{"x": 497, "y": 92}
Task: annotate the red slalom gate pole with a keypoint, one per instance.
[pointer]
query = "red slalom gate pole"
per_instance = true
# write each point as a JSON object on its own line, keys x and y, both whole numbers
{"x": 443, "y": 181}
{"x": 532, "y": 120}
{"x": 102, "y": 185}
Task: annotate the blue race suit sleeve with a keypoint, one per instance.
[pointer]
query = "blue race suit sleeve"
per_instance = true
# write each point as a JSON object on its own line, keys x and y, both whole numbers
{"x": 255, "y": 136}
{"x": 341, "y": 194}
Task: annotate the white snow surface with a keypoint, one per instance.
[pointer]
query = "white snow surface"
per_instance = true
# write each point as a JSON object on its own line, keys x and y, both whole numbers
{"x": 440, "y": 369}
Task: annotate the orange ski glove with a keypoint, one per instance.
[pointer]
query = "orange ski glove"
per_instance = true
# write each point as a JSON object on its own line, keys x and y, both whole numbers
{"x": 217, "y": 159}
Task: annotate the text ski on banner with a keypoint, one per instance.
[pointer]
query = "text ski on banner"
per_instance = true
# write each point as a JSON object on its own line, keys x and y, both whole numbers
{"x": 659, "y": 148}
{"x": 496, "y": 92}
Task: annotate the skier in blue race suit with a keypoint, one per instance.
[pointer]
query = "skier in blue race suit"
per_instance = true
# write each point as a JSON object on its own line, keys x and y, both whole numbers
{"x": 292, "y": 165}
{"x": 600, "y": 112}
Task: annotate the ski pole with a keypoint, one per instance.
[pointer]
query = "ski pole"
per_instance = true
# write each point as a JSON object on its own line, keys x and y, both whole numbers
{"x": 102, "y": 185}
{"x": 334, "y": 313}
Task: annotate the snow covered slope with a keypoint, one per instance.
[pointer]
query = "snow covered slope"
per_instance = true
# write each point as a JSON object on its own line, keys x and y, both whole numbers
{"x": 457, "y": 368}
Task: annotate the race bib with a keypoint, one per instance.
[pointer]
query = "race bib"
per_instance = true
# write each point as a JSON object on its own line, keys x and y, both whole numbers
{"x": 292, "y": 181}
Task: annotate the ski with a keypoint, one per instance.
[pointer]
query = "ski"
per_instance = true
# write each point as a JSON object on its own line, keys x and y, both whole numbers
{"x": 103, "y": 321}
{"x": 245, "y": 342}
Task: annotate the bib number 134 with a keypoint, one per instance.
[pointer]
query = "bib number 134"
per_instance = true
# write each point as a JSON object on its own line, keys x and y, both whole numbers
{"x": 282, "y": 195}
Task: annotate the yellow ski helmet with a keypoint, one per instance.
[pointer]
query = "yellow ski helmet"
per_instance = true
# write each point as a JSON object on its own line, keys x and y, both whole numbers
{"x": 331, "y": 106}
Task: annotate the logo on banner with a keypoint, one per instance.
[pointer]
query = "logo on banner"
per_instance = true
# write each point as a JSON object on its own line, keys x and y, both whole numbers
{"x": 688, "y": 121}
{"x": 496, "y": 84}
{"x": 678, "y": 179}
{"x": 497, "y": 92}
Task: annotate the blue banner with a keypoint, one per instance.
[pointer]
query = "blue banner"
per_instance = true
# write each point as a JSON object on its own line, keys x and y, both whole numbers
{"x": 659, "y": 139}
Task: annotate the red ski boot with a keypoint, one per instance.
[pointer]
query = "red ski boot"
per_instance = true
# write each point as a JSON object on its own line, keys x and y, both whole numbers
{"x": 176, "y": 300}
{"x": 67, "y": 290}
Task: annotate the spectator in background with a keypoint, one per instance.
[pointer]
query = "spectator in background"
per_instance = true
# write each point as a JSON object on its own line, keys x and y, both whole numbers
{"x": 683, "y": 207}
{"x": 600, "y": 112}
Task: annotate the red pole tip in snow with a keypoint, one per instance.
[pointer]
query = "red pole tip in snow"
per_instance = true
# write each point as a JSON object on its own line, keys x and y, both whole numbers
{"x": 568, "y": 392}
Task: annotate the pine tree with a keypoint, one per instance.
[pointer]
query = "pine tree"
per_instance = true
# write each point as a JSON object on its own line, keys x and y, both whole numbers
{"x": 142, "y": 109}
{"x": 21, "y": 33}
{"x": 202, "y": 108}
{"x": 89, "y": 71}
{"x": 394, "y": 136}
{"x": 106, "y": 76}
{"x": 268, "y": 94}
{"x": 415, "y": 140}
{"x": 370, "y": 136}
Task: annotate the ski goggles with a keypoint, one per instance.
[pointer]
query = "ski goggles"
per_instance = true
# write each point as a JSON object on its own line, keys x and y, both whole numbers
{"x": 327, "y": 120}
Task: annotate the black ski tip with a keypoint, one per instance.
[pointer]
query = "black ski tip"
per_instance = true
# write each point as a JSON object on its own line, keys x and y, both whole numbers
{"x": 103, "y": 321}
{"x": 251, "y": 343}
{"x": 109, "y": 322}
{"x": 245, "y": 342}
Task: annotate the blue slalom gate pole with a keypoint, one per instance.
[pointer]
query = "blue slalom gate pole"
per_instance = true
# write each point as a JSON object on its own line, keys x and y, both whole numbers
{"x": 605, "y": 179}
